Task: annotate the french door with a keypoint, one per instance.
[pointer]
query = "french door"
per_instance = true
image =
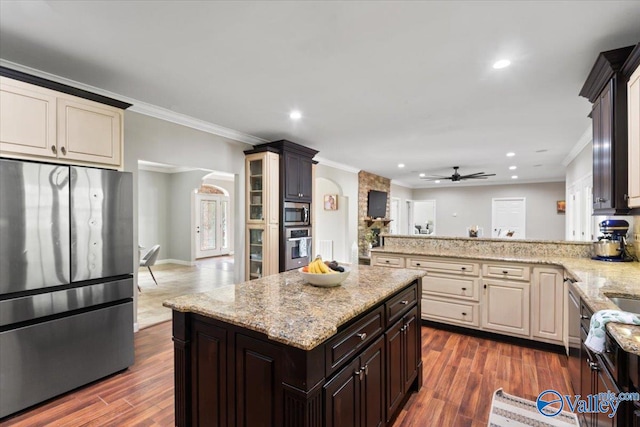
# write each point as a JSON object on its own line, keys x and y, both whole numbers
{"x": 211, "y": 225}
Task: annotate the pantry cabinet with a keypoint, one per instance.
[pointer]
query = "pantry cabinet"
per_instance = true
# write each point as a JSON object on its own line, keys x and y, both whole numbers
{"x": 44, "y": 120}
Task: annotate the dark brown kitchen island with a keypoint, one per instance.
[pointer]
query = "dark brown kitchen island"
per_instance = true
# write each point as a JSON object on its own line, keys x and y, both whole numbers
{"x": 279, "y": 352}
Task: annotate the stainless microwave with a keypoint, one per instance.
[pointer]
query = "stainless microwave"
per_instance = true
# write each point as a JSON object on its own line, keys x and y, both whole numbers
{"x": 296, "y": 214}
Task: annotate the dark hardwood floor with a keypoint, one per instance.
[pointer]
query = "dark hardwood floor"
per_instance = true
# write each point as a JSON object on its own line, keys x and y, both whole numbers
{"x": 460, "y": 375}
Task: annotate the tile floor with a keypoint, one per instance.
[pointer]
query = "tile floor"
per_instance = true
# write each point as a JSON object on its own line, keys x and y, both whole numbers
{"x": 175, "y": 280}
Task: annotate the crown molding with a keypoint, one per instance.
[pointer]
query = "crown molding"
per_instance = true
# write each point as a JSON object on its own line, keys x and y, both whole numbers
{"x": 336, "y": 165}
{"x": 583, "y": 141}
{"x": 143, "y": 107}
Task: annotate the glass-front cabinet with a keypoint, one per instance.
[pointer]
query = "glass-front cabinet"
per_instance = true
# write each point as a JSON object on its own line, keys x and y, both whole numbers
{"x": 262, "y": 214}
{"x": 256, "y": 252}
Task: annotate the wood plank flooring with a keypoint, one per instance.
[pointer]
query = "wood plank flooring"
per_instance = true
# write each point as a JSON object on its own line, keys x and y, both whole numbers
{"x": 460, "y": 375}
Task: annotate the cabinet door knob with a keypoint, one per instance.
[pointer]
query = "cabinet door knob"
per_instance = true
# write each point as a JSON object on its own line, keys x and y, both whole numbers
{"x": 64, "y": 151}
{"x": 53, "y": 149}
{"x": 362, "y": 336}
{"x": 418, "y": 264}
{"x": 404, "y": 302}
{"x": 582, "y": 316}
{"x": 464, "y": 314}
{"x": 463, "y": 268}
{"x": 464, "y": 289}
{"x": 386, "y": 261}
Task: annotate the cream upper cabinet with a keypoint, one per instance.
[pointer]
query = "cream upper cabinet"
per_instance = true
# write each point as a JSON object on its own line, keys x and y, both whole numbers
{"x": 27, "y": 119}
{"x": 547, "y": 303}
{"x": 39, "y": 123}
{"x": 506, "y": 306}
{"x": 89, "y": 131}
{"x": 633, "y": 99}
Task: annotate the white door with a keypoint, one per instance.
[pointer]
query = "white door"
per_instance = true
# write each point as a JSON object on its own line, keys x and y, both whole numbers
{"x": 508, "y": 217}
{"x": 212, "y": 225}
{"x": 394, "y": 226}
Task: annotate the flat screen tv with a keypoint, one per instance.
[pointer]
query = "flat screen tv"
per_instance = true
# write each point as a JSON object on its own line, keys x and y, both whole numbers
{"x": 377, "y": 204}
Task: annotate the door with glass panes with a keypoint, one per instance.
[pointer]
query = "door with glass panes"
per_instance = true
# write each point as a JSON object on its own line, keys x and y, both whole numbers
{"x": 212, "y": 225}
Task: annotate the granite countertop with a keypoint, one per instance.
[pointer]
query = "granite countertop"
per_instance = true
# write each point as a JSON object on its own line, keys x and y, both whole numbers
{"x": 594, "y": 281}
{"x": 290, "y": 311}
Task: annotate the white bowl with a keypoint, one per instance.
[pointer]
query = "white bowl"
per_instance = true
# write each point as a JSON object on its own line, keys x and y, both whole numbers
{"x": 327, "y": 280}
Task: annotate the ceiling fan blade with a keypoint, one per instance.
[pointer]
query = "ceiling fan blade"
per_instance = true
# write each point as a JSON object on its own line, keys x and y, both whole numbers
{"x": 480, "y": 176}
{"x": 473, "y": 174}
{"x": 435, "y": 177}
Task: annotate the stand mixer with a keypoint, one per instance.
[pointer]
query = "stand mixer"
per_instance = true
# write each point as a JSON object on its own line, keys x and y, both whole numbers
{"x": 612, "y": 245}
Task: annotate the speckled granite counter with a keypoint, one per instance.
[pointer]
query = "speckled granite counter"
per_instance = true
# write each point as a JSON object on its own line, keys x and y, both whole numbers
{"x": 290, "y": 311}
{"x": 594, "y": 281}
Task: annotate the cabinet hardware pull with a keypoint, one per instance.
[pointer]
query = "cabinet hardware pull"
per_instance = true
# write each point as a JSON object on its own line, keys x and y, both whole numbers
{"x": 404, "y": 302}
{"x": 386, "y": 260}
{"x": 361, "y": 374}
{"x": 464, "y": 314}
{"x": 366, "y": 369}
{"x": 594, "y": 366}
{"x": 463, "y": 268}
{"x": 53, "y": 149}
{"x": 464, "y": 289}
{"x": 418, "y": 264}
{"x": 362, "y": 336}
{"x": 485, "y": 286}
{"x": 357, "y": 373}
{"x": 64, "y": 151}
{"x": 505, "y": 272}
{"x": 582, "y": 316}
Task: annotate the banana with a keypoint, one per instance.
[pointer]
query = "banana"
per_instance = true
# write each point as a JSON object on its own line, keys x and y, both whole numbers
{"x": 313, "y": 268}
{"x": 323, "y": 267}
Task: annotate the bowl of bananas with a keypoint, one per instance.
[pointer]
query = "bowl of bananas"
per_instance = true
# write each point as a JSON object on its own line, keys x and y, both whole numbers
{"x": 324, "y": 273}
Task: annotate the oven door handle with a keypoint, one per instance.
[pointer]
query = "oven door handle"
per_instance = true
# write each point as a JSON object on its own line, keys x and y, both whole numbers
{"x": 295, "y": 239}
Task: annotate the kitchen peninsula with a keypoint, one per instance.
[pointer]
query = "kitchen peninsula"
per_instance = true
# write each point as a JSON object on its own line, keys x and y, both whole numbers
{"x": 279, "y": 352}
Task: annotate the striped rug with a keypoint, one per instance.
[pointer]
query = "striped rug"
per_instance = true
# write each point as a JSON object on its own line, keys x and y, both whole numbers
{"x": 510, "y": 411}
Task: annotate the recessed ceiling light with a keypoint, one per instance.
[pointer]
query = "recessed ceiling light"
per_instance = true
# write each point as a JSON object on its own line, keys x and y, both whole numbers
{"x": 437, "y": 181}
{"x": 512, "y": 168}
{"x": 503, "y": 63}
{"x": 295, "y": 115}
{"x": 400, "y": 165}
{"x": 511, "y": 154}
{"x": 514, "y": 176}
{"x": 422, "y": 175}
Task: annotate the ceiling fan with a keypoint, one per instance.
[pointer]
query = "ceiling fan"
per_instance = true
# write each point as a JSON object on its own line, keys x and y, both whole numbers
{"x": 457, "y": 177}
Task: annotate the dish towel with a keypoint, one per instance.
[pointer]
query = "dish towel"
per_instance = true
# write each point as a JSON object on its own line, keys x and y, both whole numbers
{"x": 303, "y": 248}
{"x": 597, "y": 328}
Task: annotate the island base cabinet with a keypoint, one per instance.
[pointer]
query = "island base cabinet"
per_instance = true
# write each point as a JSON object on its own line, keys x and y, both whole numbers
{"x": 209, "y": 375}
{"x": 403, "y": 359}
{"x": 229, "y": 375}
{"x": 355, "y": 396}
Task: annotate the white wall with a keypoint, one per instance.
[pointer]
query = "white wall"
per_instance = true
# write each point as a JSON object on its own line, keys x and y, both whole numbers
{"x": 460, "y": 207}
{"x": 331, "y": 225}
{"x": 153, "y": 211}
{"x": 348, "y": 183}
{"x": 404, "y": 194}
{"x": 155, "y": 140}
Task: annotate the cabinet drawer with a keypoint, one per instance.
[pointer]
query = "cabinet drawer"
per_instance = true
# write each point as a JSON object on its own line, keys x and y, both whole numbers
{"x": 451, "y": 286}
{"x": 388, "y": 261}
{"x": 458, "y": 312}
{"x": 347, "y": 343}
{"x": 401, "y": 303}
{"x": 506, "y": 271}
{"x": 447, "y": 266}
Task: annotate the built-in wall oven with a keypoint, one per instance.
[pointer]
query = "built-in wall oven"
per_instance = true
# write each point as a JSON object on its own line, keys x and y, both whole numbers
{"x": 298, "y": 247}
{"x": 296, "y": 214}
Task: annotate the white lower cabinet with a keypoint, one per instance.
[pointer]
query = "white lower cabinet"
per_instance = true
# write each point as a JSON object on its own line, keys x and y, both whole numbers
{"x": 547, "y": 303}
{"x": 506, "y": 307}
{"x": 508, "y": 298}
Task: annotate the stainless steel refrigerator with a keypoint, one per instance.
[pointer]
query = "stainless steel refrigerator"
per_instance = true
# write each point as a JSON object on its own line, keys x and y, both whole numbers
{"x": 66, "y": 284}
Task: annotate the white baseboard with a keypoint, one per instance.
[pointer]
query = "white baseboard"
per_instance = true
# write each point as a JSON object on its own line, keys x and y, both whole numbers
{"x": 174, "y": 261}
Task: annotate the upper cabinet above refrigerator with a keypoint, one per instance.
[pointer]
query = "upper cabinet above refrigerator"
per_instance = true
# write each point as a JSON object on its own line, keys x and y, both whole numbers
{"x": 44, "y": 120}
